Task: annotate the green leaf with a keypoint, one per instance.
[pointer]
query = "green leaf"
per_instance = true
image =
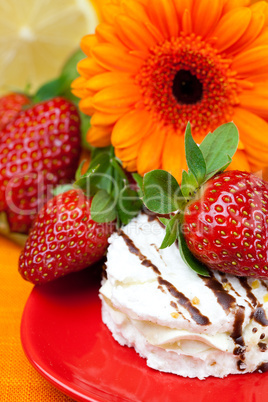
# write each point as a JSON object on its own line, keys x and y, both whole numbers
{"x": 218, "y": 147}
{"x": 62, "y": 189}
{"x": 98, "y": 172}
{"x": 227, "y": 164}
{"x": 128, "y": 205}
{"x": 189, "y": 258}
{"x": 69, "y": 70}
{"x": 163, "y": 220}
{"x": 78, "y": 173}
{"x": 194, "y": 157}
{"x": 49, "y": 90}
{"x": 172, "y": 228}
{"x": 69, "y": 73}
{"x": 162, "y": 193}
{"x": 61, "y": 86}
{"x": 117, "y": 166}
{"x": 103, "y": 207}
{"x": 84, "y": 127}
{"x": 138, "y": 179}
{"x": 99, "y": 151}
{"x": 189, "y": 184}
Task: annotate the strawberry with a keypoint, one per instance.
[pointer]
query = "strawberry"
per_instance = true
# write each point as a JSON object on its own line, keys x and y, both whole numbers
{"x": 226, "y": 227}
{"x": 10, "y": 105}
{"x": 64, "y": 239}
{"x": 39, "y": 149}
{"x": 219, "y": 219}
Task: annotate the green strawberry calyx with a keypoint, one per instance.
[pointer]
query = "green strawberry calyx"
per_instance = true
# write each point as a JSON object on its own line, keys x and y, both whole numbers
{"x": 164, "y": 196}
{"x": 115, "y": 194}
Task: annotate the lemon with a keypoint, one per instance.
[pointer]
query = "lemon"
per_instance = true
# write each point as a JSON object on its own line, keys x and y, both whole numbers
{"x": 37, "y": 37}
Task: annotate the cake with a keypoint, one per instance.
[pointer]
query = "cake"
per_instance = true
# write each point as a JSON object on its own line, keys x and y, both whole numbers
{"x": 179, "y": 321}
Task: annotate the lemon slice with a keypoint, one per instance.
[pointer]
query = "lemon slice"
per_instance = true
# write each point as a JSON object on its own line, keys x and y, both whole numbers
{"x": 38, "y": 36}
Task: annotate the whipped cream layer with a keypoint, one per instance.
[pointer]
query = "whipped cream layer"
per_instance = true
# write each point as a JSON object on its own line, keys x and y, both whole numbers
{"x": 179, "y": 321}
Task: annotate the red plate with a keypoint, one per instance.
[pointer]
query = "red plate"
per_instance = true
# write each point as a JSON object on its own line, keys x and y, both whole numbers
{"x": 65, "y": 340}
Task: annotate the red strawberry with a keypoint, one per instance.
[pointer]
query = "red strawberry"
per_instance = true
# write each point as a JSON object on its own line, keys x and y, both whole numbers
{"x": 10, "y": 105}
{"x": 226, "y": 228}
{"x": 63, "y": 239}
{"x": 39, "y": 149}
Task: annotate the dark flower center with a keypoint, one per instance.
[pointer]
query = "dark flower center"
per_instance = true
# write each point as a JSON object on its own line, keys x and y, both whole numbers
{"x": 186, "y": 79}
{"x": 187, "y": 88}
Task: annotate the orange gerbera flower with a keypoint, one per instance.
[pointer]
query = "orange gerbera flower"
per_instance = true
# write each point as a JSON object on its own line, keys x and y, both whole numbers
{"x": 152, "y": 66}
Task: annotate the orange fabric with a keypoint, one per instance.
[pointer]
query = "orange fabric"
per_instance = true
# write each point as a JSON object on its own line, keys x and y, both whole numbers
{"x": 19, "y": 382}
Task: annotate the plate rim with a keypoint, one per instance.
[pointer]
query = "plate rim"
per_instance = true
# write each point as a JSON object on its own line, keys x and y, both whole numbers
{"x": 54, "y": 379}
{"x": 91, "y": 394}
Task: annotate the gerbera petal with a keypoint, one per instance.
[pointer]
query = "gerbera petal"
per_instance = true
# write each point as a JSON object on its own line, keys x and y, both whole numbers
{"x": 149, "y": 157}
{"x": 99, "y": 136}
{"x": 109, "y": 12}
{"x": 231, "y": 4}
{"x": 116, "y": 99}
{"x": 256, "y": 100}
{"x": 85, "y": 105}
{"x": 151, "y": 64}
{"x": 173, "y": 159}
{"x": 253, "y": 61}
{"x": 88, "y": 67}
{"x": 87, "y": 42}
{"x": 187, "y": 25}
{"x": 245, "y": 84}
{"x": 206, "y": 10}
{"x": 78, "y": 87}
{"x": 264, "y": 174}
{"x": 131, "y": 128}
{"x": 129, "y": 153}
{"x": 163, "y": 14}
{"x": 252, "y": 32}
{"x": 258, "y": 79}
{"x": 181, "y": 6}
{"x": 138, "y": 12}
{"x": 104, "y": 119}
{"x": 252, "y": 129}
{"x": 130, "y": 166}
{"x": 261, "y": 7}
{"x": 261, "y": 40}
{"x": 239, "y": 161}
{"x": 101, "y": 81}
{"x": 135, "y": 10}
{"x": 134, "y": 34}
{"x": 115, "y": 58}
{"x": 231, "y": 27}
{"x": 107, "y": 33}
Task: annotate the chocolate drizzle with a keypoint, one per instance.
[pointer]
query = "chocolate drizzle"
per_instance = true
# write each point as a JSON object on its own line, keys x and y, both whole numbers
{"x": 180, "y": 297}
{"x": 243, "y": 281}
{"x": 264, "y": 284}
{"x": 185, "y": 302}
{"x": 241, "y": 365}
{"x": 134, "y": 250}
{"x": 152, "y": 216}
{"x": 236, "y": 335}
{"x": 173, "y": 304}
{"x": 260, "y": 316}
{"x": 226, "y": 300}
{"x": 262, "y": 368}
{"x": 221, "y": 288}
{"x": 262, "y": 346}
